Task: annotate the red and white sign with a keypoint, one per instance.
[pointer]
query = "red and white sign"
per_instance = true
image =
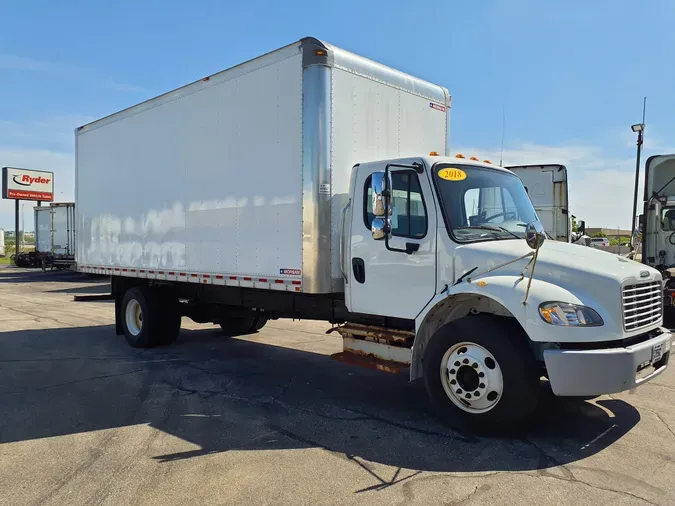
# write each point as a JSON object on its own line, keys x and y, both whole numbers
{"x": 26, "y": 184}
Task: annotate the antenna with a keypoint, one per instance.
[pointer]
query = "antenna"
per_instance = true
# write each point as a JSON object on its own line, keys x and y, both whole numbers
{"x": 501, "y": 152}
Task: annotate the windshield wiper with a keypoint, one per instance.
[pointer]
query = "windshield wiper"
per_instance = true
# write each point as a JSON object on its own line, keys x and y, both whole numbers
{"x": 509, "y": 232}
{"x": 493, "y": 228}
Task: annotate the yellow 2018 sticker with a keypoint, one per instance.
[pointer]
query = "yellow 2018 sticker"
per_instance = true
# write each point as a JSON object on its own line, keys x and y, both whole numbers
{"x": 452, "y": 174}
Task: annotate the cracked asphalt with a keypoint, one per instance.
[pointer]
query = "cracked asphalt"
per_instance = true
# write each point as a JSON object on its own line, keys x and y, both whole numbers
{"x": 271, "y": 419}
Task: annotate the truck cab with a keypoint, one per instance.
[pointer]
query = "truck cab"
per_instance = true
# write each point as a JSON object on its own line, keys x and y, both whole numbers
{"x": 658, "y": 221}
{"x": 456, "y": 246}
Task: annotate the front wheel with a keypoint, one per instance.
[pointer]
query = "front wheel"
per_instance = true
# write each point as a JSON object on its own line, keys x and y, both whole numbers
{"x": 479, "y": 373}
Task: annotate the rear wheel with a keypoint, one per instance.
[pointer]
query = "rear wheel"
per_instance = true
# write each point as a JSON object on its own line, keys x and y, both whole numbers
{"x": 149, "y": 318}
{"x": 137, "y": 319}
{"x": 479, "y": 373}
{"x": 242, "y": 324}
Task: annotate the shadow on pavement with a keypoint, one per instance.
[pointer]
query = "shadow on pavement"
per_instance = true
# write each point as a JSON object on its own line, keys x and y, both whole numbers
{"x": 230, "y": 394}
{"x": 17, "y": 275}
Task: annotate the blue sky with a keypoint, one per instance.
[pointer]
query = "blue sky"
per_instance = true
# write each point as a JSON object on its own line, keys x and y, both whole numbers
{"x": 570, "y": 75}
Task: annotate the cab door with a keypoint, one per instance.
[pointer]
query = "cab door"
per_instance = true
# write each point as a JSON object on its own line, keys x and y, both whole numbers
{"x": 390, "y": 281}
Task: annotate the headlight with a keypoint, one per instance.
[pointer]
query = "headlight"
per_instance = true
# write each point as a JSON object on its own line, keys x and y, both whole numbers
{"x": 562, "y": 313}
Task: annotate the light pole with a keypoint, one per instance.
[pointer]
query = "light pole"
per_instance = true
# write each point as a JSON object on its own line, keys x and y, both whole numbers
{"x": 639, "y": 128}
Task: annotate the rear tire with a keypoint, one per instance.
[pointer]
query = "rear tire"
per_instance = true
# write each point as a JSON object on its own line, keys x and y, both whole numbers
{"x": 238, "y": 325}
{"x": 139, "y": 320}
{"x": 149, "y": 318}
{"x": 170, "y": 322}
{"x": 242, "y": 325}
{"x": 261, "y": 322}
{"x": 480, "y": 374}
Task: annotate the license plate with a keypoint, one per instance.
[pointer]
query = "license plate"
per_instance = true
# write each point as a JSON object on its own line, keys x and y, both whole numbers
{"x": 657, "y": 352}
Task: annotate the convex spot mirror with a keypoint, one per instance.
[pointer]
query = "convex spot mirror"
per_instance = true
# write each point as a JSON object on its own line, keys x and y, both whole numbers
{"x": 535, "y": 234}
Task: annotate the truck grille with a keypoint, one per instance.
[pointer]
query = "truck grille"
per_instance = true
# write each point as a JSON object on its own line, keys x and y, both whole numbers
{"x": 642, "y": 305}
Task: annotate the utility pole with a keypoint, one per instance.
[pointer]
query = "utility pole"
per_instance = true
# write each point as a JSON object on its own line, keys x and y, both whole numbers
{"x": 639, "y": 128}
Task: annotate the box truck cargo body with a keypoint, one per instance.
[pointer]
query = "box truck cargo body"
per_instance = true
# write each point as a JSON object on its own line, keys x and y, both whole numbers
{"x": 311, "y": 183}
{"x": 245, "y": 173}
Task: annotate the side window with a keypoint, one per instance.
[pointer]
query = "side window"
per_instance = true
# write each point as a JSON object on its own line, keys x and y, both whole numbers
{"x": 409, "y": 218}
{"x": 471, "y": 199}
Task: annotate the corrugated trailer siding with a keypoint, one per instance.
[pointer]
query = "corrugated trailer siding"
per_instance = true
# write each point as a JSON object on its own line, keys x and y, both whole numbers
{"x": 207, "y": 182}
{"x": 376, "y": 121}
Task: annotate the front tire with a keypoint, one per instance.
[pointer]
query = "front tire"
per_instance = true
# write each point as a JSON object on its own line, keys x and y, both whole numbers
{"x": 480, "y": 374}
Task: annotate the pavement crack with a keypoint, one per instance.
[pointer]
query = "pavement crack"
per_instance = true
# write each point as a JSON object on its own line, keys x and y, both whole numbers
{"x": 479, "y": 489}
{"x": 75, "y": 382}
{"x": 459, "y": 437}
{"x": 591, "y": 485}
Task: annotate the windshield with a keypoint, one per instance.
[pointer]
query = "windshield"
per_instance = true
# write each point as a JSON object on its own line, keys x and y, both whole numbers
{"x": 482, "y": 204}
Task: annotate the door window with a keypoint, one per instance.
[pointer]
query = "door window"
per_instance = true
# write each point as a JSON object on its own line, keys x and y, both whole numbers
{"x": 409, "y": 218}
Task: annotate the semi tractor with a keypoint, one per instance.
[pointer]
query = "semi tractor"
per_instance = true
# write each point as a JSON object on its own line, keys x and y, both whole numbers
{"x": 546, "y": 184}
{"x": 657, "y": 222}
{"x": 312, "y": 183}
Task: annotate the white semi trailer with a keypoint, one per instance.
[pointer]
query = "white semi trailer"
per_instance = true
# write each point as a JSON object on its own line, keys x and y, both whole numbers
{"x": 307, "y": 183}
{"x": 55, "y": 234}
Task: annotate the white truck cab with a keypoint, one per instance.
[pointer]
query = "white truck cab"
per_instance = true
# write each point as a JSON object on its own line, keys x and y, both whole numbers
{"x": 449, "y": 243}
{"x": 658, "y": 221}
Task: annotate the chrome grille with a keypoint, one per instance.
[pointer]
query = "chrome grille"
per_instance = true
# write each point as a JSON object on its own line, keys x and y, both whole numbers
{"x": 642, "y": 305}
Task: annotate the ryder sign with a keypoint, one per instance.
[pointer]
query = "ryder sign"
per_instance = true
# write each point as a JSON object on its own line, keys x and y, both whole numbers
{"x": 25, "y": 184}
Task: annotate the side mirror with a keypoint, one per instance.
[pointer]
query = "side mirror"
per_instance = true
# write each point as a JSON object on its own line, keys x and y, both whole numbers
{"x": 381, "y": 191}
{"x": 634, "y": 240}
{"x": 581, "y": 227}
{"x": 535, "y": 234}
{"x": 381, "y": 184}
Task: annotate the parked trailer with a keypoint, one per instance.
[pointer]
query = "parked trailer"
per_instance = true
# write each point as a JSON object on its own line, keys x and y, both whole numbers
{"x": 299, "y": 185}
{"x": 55, "y": 234}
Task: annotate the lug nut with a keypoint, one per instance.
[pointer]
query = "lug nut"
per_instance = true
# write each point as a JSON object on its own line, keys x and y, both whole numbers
{"x": 468, "y": 396}
{"x": 453, "y": 382}
{"x": 482, "y": 385}
{"x": 457, "y": 364}
{"x": 452, "y": 371}
{"x": 481, "y": 374}
{"x": 466, "y": 360}
{"x": 474, "y": 365}
{"x": 459, "y": 391}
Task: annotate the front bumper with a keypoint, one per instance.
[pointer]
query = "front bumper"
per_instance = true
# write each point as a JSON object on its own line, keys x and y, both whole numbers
{"x": 607, "y": 370}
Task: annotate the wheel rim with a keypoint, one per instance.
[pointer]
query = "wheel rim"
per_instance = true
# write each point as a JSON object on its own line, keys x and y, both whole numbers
{"x": 471, "y": 377}
{"x": 134, "y": 317}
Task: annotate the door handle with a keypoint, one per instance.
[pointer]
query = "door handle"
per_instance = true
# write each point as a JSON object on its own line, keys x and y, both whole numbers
{"x": 359, "y": 268}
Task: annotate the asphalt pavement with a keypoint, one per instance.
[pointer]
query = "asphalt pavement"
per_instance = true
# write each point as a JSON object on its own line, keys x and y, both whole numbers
{"x": 271, "y": 419}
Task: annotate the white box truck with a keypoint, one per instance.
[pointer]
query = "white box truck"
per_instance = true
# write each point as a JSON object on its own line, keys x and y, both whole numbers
{"x": 55, "y": 234}
{"x": 307, "y": 183}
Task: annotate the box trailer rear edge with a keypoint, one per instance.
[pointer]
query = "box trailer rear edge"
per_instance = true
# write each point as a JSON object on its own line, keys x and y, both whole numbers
{"x": 321, "y": 206}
